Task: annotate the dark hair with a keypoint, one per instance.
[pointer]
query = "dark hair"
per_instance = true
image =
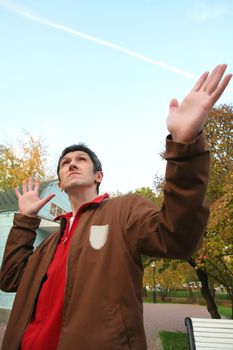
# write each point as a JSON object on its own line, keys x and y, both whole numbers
{"x": 97, "y": 166}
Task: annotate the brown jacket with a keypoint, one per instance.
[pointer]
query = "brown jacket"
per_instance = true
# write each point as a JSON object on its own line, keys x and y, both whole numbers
{"x": 103, "y": 303}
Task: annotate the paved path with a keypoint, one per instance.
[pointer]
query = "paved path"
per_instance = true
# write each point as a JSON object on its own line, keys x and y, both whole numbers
{"x": 160, "y": 317}
{"x": 168, "y": 317}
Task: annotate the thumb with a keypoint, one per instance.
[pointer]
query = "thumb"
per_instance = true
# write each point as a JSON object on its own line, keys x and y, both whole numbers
{"x": 174, "y": 104}
{"x": 48, "y": 198}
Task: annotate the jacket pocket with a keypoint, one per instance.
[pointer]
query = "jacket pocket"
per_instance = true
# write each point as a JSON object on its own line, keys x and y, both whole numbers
{"x": 98, "y": 236}
{"x": 118, "y": 329}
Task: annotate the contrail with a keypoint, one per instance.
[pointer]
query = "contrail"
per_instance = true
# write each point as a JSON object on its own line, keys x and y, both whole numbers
{"x": 13, "y": 7}
{"x": 18, "y": 9}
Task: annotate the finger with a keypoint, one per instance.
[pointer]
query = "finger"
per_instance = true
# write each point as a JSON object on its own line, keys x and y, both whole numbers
{"x": 30, "y": 184}
{"x": 214, "y": 82}
{"x": 18, "y": 194}
{"x": 222, "y": 86}
{"x": 200, "y": 82}
{"x": 210, "y": 77}
{"x": 173, "y": 104}
{"x": 24, "y": 186}
{"x": 37, "y": 185}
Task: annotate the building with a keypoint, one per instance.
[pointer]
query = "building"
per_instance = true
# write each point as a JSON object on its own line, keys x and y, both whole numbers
{"x": 8, "y": 206}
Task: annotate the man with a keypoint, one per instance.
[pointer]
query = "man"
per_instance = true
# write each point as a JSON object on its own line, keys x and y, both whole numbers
{"x": 81, "y": 288}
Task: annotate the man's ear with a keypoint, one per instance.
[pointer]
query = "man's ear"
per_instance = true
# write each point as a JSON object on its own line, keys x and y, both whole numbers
{"x": 99, "y": 176}
{"x": 60, "y": 186}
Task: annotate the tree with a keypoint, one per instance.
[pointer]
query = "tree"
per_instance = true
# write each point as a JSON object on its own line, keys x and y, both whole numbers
{"x": 29, "y": 160}
{"x": 215, "y": 259}
{"x": 147, "y": 193}
{"x": 219, "y": 134}
{"x": 203, "y": 276}
{"x": 217, "y": 251}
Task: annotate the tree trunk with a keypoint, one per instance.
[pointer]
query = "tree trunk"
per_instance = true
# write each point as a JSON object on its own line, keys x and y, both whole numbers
{"x": 205, "y": 290}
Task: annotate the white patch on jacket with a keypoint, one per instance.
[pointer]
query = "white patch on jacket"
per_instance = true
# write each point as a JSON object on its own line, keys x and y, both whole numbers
{"x": 98, "y": 236}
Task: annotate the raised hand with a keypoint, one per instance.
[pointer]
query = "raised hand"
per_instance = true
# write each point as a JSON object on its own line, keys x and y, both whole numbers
{"x": 29, "y": 201}
{"x": 186, "y": 120}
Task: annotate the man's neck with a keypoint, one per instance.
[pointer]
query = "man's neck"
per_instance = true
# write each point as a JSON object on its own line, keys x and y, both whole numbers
{"x": 79, "y": 198}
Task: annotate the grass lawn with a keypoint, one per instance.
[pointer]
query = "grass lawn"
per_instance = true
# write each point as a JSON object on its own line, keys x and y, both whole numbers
{"x": 174, "y": 340}
{"x": 224, "y": 311}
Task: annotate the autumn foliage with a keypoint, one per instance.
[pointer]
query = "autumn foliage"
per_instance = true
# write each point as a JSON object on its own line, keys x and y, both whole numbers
{"x": 213, "y": 264}
{"x": 18, "y": 162}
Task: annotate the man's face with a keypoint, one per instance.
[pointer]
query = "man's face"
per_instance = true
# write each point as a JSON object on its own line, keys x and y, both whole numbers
{"x": 76, "y": 170}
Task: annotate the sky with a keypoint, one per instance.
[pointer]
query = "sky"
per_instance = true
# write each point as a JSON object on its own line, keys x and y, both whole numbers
{"x": 103, "y": 73}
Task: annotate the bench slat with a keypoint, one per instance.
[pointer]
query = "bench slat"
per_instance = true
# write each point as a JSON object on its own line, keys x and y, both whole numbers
{"x": 214, "y": 340}
{"x": 214, "y": 330}
{"x": 213, "y": 320}
{"x": 218, "y": 324}
{"x": 213, "y": 347}
{"x": 213, "y": 335}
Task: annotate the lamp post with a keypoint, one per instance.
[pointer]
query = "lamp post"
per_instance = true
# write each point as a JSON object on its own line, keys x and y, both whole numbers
{"x": 154, "y": 294}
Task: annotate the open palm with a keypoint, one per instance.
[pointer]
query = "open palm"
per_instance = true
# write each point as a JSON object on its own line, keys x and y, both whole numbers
{"x": 29, "y": 201}
{"x": 186, "y": 120}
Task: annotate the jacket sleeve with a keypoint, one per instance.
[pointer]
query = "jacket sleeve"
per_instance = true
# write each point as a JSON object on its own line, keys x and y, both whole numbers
{"x": 176, "y": 230}
{"x": 18, "y": 249}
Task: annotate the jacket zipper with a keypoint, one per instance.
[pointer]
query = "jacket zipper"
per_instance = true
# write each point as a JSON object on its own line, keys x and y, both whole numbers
{"x": 77, "y": 216}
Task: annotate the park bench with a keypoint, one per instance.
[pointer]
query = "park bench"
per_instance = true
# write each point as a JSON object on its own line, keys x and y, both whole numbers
{"x": 212, "y": 334}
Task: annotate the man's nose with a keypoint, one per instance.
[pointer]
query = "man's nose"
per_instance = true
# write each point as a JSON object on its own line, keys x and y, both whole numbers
{"x": 73, "y": 165}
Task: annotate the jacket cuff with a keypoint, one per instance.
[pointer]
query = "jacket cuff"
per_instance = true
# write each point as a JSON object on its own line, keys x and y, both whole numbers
{"x": 25, "y": 221}
{"x": 176, "y": 150}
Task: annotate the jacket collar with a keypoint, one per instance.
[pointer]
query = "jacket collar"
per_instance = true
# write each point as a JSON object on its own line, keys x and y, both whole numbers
{"x": 95, "y": 202}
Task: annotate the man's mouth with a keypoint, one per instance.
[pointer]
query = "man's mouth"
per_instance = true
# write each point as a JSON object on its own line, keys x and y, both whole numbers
{"x": 74, "y": 173}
